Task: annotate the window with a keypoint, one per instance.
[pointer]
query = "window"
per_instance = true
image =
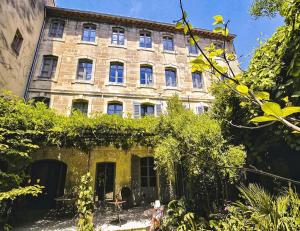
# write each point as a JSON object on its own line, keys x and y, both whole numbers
{"x": 48, "y": 67}
{"x": 197, "y": 80}
{"x": 17, "y": 42}
{"x": 145, "y": 39}
{"x": 116, "y": 73}
{"x": 148, "y": 173}
{"x": 200, "y": 109}
{"x": 115, "y": 109}
{"x": 147, "y": 109}
{"x": 118, "y": 36}
{"x": 44, "y": 100}
{"x": 57, "y": 29}
{"x": 89, "y": 33}
{"x": 193, "y": 49}
{"x": 140, "y": 110}
{"x": 146, "y": 75}
{"x": 171, "y": 79}
{"x": 81, "y": 106}
{"x": 218, "y": 45}
{"x": 84, "y": 70}
{"x": 168, "y": 43}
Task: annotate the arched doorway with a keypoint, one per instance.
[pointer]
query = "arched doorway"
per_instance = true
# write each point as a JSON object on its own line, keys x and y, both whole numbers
{"x": 51, "y": 174}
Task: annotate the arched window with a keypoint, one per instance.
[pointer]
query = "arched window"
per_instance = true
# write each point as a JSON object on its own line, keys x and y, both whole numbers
{"x": 84, "y": 69}
{"x": 89, "y": 32}
{"x": 146, "y": 75}
{"x": 147, "y": 109}
{"x": 145, "y": 39}
{"x": 44, "y": 100}
{"x": 118, "y": 36}
{"x": 56, "y": 29}
{"x": 80, "y": 105}
{"x": 171, "y": 77}
{"x": 115, "y": 108}
{"x": 48, "y": 66}
{"x": 168, "y": 43}
{"x": 116, "y": 73}
{"x": 197, "y": 80}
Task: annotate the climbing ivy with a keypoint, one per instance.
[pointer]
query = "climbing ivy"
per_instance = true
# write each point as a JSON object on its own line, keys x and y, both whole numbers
{"x": 85, "y": 204}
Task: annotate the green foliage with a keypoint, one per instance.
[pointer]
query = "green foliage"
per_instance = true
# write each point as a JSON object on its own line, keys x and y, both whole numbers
{"x": 34, "y": 190}
{"x": 266, "y": 7}
{"x": 21, "y": 129}
{"x": 273, "y": 77}
{"x": 194, "y": 140}
{"x": 180, "y": 219}
{"x": 262, "y": 211}
{"x": 194, "y": 143}
{"x": 85, "y": 204}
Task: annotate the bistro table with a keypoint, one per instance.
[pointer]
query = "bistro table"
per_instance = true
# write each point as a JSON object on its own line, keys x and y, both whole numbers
{"x": 64, "y": 200}
{"x": 117, "y": 205}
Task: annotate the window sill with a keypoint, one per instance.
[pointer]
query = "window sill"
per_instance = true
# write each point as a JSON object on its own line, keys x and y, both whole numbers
{"x": 88, "y": 43}
{"x": 169, "y": 52}
{"x": 219, "y": 58}
{"x": 117, "y": 46}
{"x": 200, "y": 90}
{"x": 192, "y": 55}
{"x": 116, "y": 84}
{"x": 147, "y": 86}
{"x": 145, "y": 49}
{"x": 62, "y": 40}
{"x": 82, "y": 82}
{"x": 171, "y": 88}
{"x": 45, "y": 79}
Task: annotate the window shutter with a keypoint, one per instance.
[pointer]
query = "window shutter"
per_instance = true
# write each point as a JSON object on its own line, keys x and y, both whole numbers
{"x": 200, "y": 109}
{"x": 135, "y": 178}
{"x": 136, "y": 110}
{"x": 158, "y": 109}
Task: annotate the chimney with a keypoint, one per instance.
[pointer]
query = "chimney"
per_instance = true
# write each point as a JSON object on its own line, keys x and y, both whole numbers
{"x": 49, "y": 2}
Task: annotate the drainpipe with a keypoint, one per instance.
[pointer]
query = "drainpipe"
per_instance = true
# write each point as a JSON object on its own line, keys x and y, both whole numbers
{"x": 35, "y": 57}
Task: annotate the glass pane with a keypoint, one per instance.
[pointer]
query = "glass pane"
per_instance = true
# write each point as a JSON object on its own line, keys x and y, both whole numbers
{"x": 121, "y": 39}
{"x": 144, "y": 182}
{"x": 81, "y": 106}
{"x": 92, "y": 36}
{"x": 152, "y": 182}
{"x": 144, "y": 162}
{"x": 150, "y": 110}
{"x": 85, "y": 36}
{"x": 114, "y": 38}
{"x": 151, "y": 161}
{"x": 144, "y": 171}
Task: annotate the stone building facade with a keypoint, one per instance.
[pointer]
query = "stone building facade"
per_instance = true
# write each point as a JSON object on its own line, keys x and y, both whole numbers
{"x": 101, "y": 63}
{"x": 126, "y": 72}
{"x": 20, "y": 27}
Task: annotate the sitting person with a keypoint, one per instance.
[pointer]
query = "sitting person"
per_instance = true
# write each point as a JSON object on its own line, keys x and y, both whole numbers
{"x": 157, "y": 215}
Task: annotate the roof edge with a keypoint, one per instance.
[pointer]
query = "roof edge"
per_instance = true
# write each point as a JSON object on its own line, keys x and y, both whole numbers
{"x": 74, "y": 13}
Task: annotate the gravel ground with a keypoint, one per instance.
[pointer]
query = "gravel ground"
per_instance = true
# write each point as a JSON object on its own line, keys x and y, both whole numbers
{"x": 106, "y": 220}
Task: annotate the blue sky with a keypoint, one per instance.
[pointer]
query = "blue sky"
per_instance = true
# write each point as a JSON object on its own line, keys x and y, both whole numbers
{"x": 200, "y": 12}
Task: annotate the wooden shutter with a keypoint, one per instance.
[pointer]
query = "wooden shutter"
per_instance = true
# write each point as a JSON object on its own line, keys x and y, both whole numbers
{"x": 158, "y": 109}
{"x": 135, "y": 178}
{"x": 136, "y": 110}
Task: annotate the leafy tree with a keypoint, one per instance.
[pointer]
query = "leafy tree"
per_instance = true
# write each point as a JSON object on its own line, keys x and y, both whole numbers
{"x": 287, "y": 61}
{"x": 267, "y": 8}
{"x": 194, "y": 144}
